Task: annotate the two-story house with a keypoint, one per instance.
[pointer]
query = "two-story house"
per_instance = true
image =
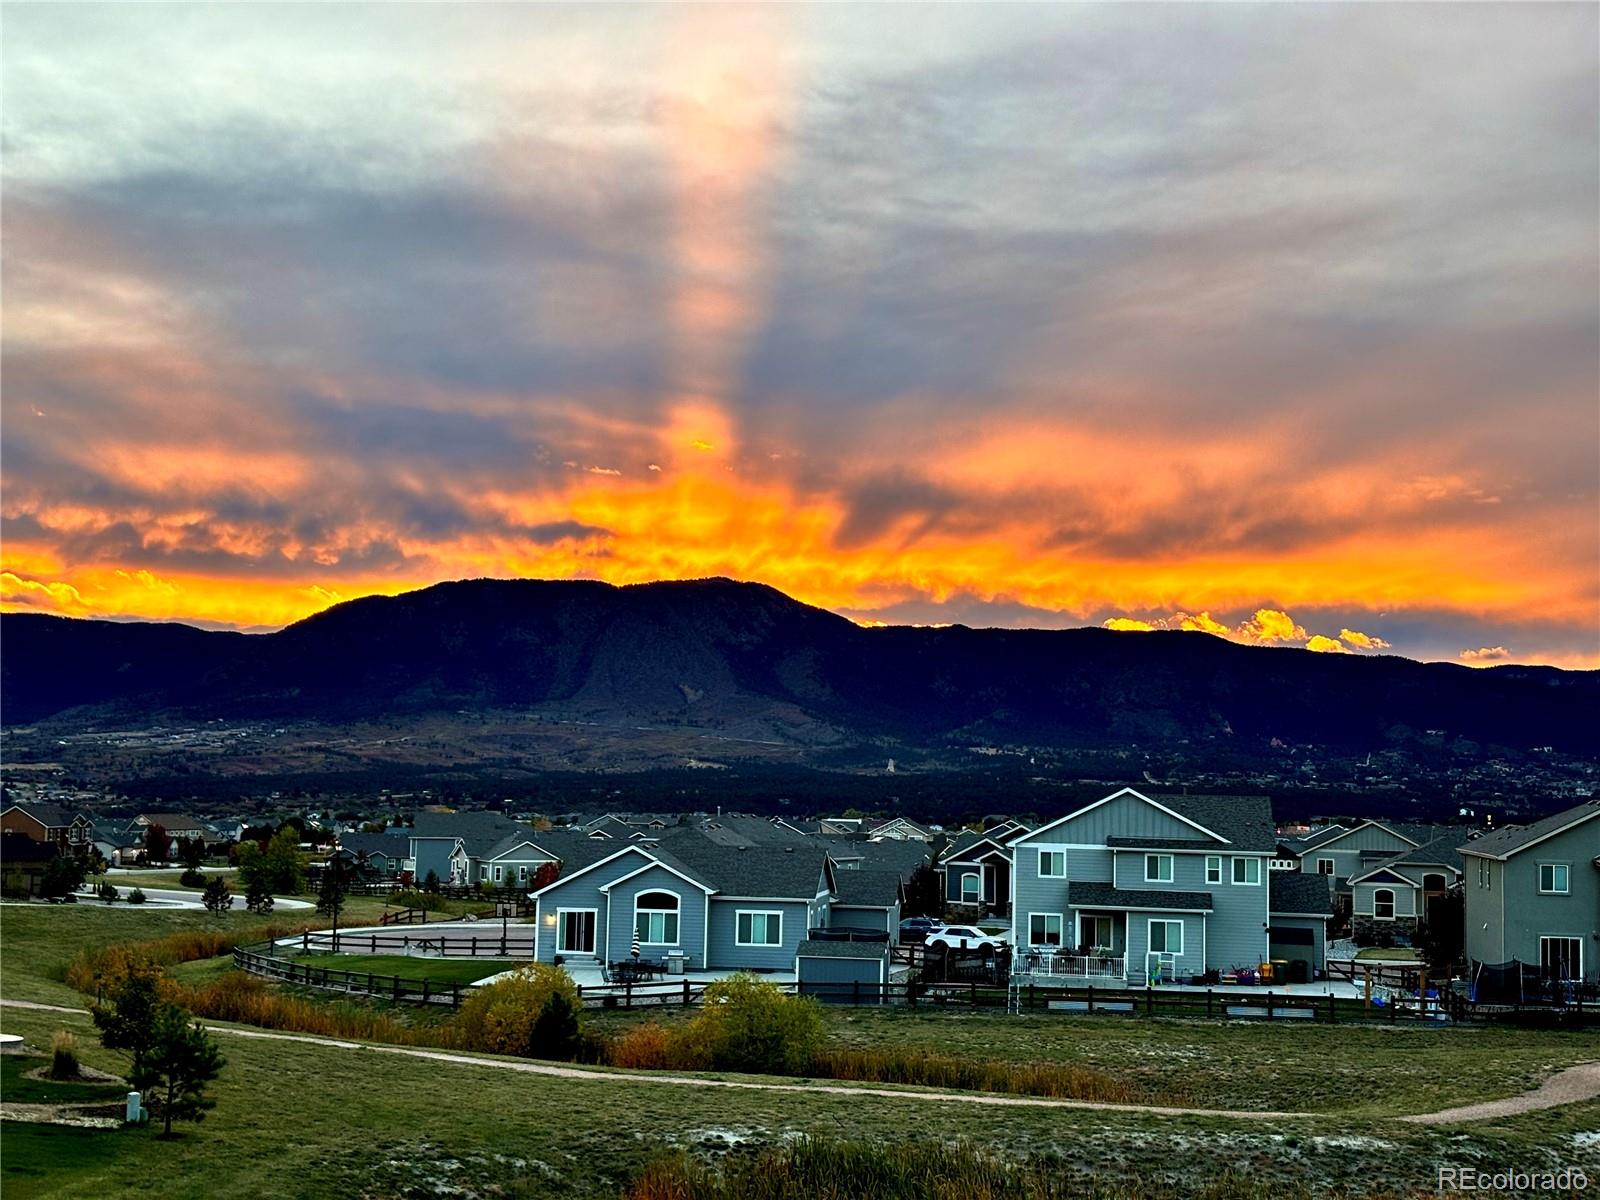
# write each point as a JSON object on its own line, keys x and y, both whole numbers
{"x": 1532, "y": 895}
{"x": 69, "y": 833}
{"x": 1139, "y": 888}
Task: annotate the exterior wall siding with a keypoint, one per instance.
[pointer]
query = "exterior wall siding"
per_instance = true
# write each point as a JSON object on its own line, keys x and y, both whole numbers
{"x": 725, "y": 954}
{"x": 1529, "y": 914}
{"x": 1190, "y": 962}
{"x": 1405, "y": 898}
{"x": 432, "y": 854}
{"x": 581, "y": 891}
{"x": 691, "y": 917}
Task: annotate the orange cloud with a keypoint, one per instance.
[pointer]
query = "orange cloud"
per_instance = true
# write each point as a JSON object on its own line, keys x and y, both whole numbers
{"x": 1485, "y": 656}
{"x": 1325, "y": 645}
{"x": 1362, "y": 641}
{"x": 1128, "y": 625}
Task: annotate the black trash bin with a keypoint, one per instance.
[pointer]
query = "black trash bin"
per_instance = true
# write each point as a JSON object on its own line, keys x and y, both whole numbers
{"x": 1299, "y": 971}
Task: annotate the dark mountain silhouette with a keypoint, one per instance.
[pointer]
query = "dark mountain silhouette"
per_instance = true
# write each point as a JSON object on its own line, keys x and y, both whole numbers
{"x": 746, "y": 660}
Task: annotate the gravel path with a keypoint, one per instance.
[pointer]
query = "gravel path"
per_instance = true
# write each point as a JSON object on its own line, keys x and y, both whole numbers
{"x": 1570, "y": 1086}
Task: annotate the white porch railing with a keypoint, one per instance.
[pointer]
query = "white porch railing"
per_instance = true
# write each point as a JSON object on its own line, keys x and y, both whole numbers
{"x": 1040, "y": 962}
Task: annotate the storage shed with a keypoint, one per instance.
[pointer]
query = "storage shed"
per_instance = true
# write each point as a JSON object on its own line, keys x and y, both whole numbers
{"x": 842, "y": 972}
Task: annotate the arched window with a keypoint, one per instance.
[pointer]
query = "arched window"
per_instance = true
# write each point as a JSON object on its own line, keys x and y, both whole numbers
{"x": 1383, "y": 904}
{"x": 1434, "y": 882}
{"x": 970, "y": 890}
{"x": 655, "y": 918}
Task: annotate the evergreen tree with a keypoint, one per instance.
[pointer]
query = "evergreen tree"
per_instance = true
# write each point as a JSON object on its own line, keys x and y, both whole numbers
{"x": 181, "y": 1060}
{"x": 218, "y": 896}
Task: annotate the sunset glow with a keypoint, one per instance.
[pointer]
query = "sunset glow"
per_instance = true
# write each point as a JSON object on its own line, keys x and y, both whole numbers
{"x": 922, "y": 316}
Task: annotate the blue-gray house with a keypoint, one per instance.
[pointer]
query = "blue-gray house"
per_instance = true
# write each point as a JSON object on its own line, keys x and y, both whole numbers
{"x": 1138, "y": 888}
{"x": 690, "y": 898}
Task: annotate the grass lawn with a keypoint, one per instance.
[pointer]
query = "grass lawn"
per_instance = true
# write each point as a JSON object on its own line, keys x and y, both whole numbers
{"x": 38, "y": 941}
{"x": 16, "y": 1088}
{"x": 441, "y": 970}
{"x": 374, "y": 1123}
{"x": 369, "y": 1123}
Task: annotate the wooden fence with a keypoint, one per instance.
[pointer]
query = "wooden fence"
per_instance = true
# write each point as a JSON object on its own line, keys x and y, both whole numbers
{"x": 1266, "y": 1005}
{"x": 501, "y": 944}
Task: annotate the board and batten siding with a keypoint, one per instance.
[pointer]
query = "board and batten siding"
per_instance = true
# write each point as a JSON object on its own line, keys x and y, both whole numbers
{"x": 691, "y": 917}
{"x": 1346, "y": 851}
{"x": 726, "y": 954}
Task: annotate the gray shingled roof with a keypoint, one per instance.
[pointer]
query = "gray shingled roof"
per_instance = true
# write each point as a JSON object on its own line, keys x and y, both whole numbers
{"x": 474, "y": 827}
{"x": 1298, "y": 892}
{"x": 1313, "y": 840}
{"x": 781, "y": 872}
{"x": 879, "y": 889}
{"x": 372, "y": 843}
{"x": 52, "y": 816}
{"x": 1442, "y": 851}
{"x": 1083, "y": 894}
{"x": 1246, "y": 821}
{"x": 1505, "y": 842}
{"x": 810, "y": 948}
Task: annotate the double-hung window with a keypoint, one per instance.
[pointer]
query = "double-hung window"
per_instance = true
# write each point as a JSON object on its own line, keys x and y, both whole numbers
{"x": 1247, "y": 870}
{"x": 970, "y": 888}
{"x": 1158, "y": 868}
{"x": 1052, "y": 864}
{"x": 1213, "y": 868}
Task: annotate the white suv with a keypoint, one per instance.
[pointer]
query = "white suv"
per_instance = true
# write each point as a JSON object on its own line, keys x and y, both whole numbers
{"x": 965, "y": 937}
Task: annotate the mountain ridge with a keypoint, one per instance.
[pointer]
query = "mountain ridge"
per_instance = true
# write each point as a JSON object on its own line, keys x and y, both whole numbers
{"x": 748, "y": 660}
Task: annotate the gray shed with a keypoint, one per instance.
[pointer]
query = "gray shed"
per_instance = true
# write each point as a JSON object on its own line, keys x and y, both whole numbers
{"x": 843, "y": 972}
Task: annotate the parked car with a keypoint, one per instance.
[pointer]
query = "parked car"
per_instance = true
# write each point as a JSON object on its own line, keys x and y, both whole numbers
{"x": 965, "y": 937}
{"x": 917, "y": 929}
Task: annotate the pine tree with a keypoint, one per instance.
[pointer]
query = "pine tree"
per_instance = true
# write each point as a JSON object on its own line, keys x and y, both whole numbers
{"x": 181, "y": 1060}
{"x": 218, "y": 896}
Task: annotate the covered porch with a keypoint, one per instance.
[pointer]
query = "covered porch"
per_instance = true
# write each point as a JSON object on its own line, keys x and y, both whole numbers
{"x": 1094, "y": 952}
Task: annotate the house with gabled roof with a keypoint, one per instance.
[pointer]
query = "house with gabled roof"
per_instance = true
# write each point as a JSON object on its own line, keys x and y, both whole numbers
{"x": 1532, "y": 895}
{"x": 1393, "y": 896}
{"x": 899, "y": 829}
{"x": 1137, "y": 887}
{"x": 68, "y": 832}
{"x": 977, "y": 870}
{"x": 709, "y": 906}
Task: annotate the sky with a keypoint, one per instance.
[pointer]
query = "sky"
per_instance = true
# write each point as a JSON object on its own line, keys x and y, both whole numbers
{"x": 1280, "y": 322}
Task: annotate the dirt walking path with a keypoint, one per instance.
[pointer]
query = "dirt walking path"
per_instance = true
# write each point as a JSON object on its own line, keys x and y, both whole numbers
{"x": 1570, "y": 1086}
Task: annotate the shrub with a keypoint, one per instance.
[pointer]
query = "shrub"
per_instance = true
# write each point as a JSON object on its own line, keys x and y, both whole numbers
{"x": 509, "y": 1016}
{"x": 108, "y": 893}
{"x": 136, "y": 896}
{"x": 647, "y": 1047}
{"x": 64, "y": 1056}
{"x": 427, "y": 901}
{"x": 218, "y": 896}
{"x": 748, "y": 1024}
{"x": 192, "y": 877}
